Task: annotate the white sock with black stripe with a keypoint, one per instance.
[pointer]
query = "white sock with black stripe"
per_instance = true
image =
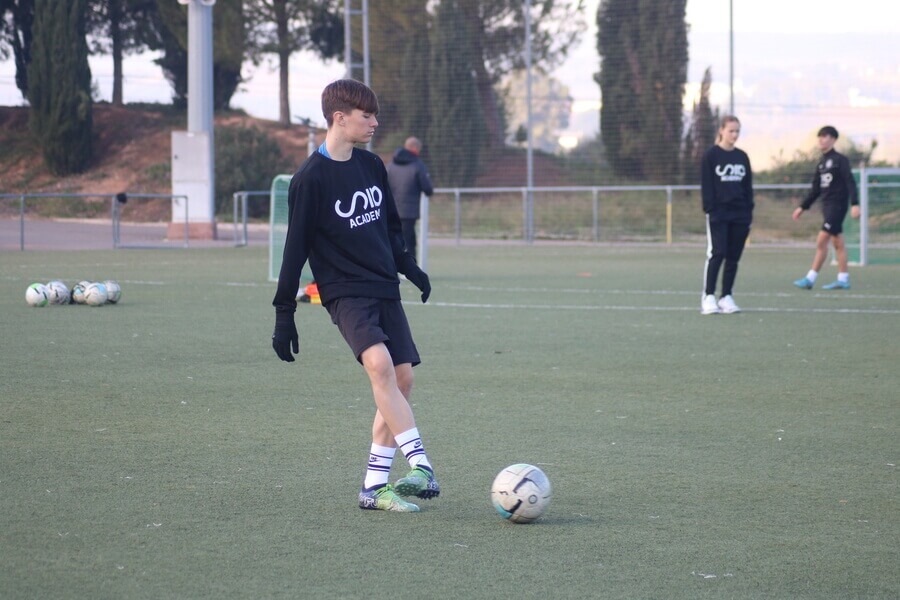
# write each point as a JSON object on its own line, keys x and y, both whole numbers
{"x": 379, "y": 467}
{"x": 413, "y": 449}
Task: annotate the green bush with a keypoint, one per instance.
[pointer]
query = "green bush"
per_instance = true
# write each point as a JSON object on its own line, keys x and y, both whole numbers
{"x": 246, "y": 159}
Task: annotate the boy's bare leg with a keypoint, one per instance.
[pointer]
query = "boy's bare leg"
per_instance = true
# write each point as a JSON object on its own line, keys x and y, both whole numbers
{"x": 821, "y": 250}
{"x": 840, "y": 249}
{"x": 393, "y": 408}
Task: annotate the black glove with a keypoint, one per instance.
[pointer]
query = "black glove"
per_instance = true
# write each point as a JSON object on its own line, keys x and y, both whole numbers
{"x": 420, "y": 280}
{"x": 285, "y": 337}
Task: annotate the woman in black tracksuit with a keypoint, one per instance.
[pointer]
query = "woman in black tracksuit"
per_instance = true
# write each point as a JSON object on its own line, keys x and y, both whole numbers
{"x": 727, "y": 190}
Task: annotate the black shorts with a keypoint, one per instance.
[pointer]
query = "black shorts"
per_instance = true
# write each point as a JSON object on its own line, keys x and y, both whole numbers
{"x": 834, "y": 219}
{"x": 365, "y": 322}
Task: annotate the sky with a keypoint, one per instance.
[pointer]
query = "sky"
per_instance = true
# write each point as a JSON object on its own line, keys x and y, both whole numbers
{"x": 797, "y": 63}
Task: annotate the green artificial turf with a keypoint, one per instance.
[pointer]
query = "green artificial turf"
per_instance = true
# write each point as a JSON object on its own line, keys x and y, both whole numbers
{"x": 159, "y": 449}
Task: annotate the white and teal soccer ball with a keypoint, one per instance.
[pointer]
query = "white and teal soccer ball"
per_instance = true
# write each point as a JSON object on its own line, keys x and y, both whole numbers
{"x": 95, "y": 294}
{"x": 37, "y": 294}
{"x": 113, "y": 291}
{"x": 78, "y": 292}
{"x": 59, "y": 292}
{"x": 521, "y": 493}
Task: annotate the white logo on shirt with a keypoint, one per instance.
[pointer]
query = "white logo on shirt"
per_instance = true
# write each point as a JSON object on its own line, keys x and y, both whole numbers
{"x": 825, "y": 180}
{"x": 369, "y": 201}
{"x": 731, "y": 172}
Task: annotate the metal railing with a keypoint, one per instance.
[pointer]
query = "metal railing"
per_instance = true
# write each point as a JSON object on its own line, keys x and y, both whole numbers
{"x": 527, "y": 195}
{"x": 116, "y": 201}
{"x": 241, "y": 214}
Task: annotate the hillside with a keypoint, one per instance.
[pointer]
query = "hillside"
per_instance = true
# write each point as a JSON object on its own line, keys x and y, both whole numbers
{"x": 132, "y": 148}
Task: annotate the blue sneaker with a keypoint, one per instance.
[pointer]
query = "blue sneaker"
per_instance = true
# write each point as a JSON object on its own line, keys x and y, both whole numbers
{"x": 419, "y": 482}
{"x": 384, "y": 498}
{"x": 837, "y": 285}
{"x": 804, "y": 284}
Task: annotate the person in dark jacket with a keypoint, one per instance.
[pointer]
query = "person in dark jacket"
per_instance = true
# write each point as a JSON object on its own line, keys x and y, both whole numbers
{"x": 342, "y": 218}
{"x": 409, "y": 179}
{"x": 832, "y": 182}
{"x": 727, "y": 190}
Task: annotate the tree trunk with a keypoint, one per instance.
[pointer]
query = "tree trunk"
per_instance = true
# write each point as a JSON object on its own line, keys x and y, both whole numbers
{"x": 115, "y": 32}
{"x": 284, "y": 57}
{"x": 284, "y": 102}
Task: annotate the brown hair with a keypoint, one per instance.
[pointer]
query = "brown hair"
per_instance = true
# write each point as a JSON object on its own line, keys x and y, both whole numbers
{"x": 346, "y": 94}
{"x": 723, "y": 122}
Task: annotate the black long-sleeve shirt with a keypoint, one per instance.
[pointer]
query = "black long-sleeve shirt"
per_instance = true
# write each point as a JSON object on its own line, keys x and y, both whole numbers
{"x": 833, "y": 182}
{"x": 727, "y": 184}
{"x": 342, "y": 218}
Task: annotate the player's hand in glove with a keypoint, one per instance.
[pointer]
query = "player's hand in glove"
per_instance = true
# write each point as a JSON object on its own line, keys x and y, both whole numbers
{"x": 407, "y": 265}
{"x": 285, "y": 337}
{"x": 419, "y": 279}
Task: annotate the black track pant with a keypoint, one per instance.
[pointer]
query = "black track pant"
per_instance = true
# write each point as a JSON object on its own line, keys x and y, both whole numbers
{"x": 724, "y": 242}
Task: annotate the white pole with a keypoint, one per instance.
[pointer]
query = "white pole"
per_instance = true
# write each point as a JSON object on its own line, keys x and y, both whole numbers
{"x": 193, "y": 151}
{"x": 863, "y": 215}
{"x": 731, "y": 55}
{"x": 423, "y": 232}
{"x": 529, "y": 229}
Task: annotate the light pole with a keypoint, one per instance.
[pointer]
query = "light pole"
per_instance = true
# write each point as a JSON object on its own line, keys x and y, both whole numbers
{"x": 529, "y": 154}
{"x": 731, "y": 56}
{"x": 193, "y": 153}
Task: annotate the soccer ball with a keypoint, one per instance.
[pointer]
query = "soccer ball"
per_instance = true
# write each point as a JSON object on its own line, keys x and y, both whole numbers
{"x": 78, "y": 291}
{"x": 37, "y": 294}
{"x": 521, "y": 493}
{"x": 59, "y": 292}
{"x": 95, "y": 294}
{"x": 113, "y": 291}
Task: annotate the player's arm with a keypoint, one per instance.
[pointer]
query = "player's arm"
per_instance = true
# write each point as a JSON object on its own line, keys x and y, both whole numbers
{"x": 405, "y": 262}
{"x": 814, "y": 192}
{"x": 748, "y": 181}
{"x": 847, "y": 173}
{"x": 707, "y": 183}
{"x": 302, "y": 209}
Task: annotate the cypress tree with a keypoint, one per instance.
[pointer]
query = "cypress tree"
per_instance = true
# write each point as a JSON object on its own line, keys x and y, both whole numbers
{"x": 59, "y": 89}
{"x": 456, "y": 132}
{"x": 665, "y": 58}
{"x": 643, "y": 48}
{"x": 619, "y": 122}
{"x": 702, "y": 132}
{"x": 415, "y": 114}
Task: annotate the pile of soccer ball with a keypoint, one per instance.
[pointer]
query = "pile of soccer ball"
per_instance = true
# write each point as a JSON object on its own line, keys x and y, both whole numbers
{"x": 93, "y": 293}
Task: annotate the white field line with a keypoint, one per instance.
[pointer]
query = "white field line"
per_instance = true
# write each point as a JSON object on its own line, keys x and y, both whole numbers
{"x": 610, "y": 307}
{"x": 835, "y": 294}
{"x": 613, "y": 307}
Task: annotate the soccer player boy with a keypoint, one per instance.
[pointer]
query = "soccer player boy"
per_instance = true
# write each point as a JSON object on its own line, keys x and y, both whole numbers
{"x": 833, "y": 182}
{"x": 342, "y": 218}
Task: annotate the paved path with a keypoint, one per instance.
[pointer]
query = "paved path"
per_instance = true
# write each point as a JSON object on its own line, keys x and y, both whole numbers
{"x": 97, "y": 234}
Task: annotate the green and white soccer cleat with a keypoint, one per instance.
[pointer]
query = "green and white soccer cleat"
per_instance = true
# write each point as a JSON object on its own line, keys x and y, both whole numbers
{"x": 384, "y": 498}
{"x": 804, "y": 284}
{"x": 419, "y": 482}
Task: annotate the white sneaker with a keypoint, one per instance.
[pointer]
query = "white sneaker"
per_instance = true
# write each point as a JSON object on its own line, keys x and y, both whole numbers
{"x": 727, "y": 305}
{"x": 708, "y": 305}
